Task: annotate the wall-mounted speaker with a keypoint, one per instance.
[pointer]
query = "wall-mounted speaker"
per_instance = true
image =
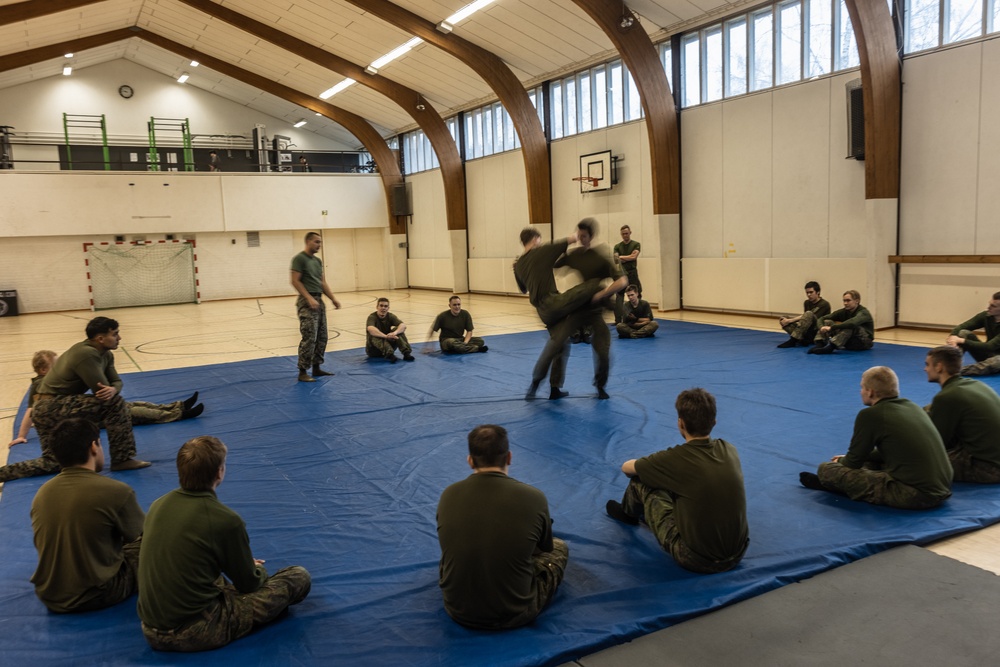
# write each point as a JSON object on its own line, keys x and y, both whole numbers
{"x": 401, "y": 201}
{"x": 855, "y": 120}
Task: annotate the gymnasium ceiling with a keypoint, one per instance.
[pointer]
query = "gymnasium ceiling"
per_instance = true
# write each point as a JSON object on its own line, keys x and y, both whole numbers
{"x": 538, "y": 39}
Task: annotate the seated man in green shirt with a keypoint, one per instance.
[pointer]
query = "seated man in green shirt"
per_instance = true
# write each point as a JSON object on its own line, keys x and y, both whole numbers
{"x": 692, "y": 495}
{"x": 500, "y": 565}
{"x": 801, "y": 329}
{"x": 87, "y": 527}
{"x": 850, "y": 328}
{"x": 456, "y": 330}
{"x": 985, "y": 352}
{"x": 967, "y": 415}
{"x": 637, "y": 316}
{"x": 386, "y": 334}
{"x": 896, "y": 456}
{"x": 191, "y": 540}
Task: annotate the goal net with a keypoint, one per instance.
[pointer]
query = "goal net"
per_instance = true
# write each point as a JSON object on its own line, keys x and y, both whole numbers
{"x": 151, "y": 274}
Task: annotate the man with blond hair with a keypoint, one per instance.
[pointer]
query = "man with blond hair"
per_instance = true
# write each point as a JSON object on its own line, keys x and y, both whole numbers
{"x": 190, "y": 540}
{"x": 896, "y": 456}
{"x": 850, "y": 328}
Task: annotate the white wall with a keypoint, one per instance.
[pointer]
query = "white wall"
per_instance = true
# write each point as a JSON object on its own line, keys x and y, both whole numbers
{"x": 429, "y": 258}
{"x": 949, "y": 199}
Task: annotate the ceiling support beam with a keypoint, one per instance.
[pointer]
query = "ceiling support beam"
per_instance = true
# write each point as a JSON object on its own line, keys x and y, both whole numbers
{"x": 513, "y": 96}
{"x": 882, "y": 94}
{"x": 411, "y": 101}
{"x": 32, "y": 9}
{"x": 43, "y": 53}
{"x": 640, "y": 56}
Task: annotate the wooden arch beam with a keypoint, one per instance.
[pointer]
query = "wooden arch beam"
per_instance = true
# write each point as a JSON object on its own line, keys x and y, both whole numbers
{"x": 385, "y": 159}
{"x": 425, "y": 115}
{"x": 513, "y": 96}
{"x": 640, "y": 56}
{"x": 882, "y": 94}
{"x": 32, "y": 9}
{"x": 43, "y": 53}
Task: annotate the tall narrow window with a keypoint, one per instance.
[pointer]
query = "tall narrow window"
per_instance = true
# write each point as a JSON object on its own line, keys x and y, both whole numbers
{"x": 617, "y": 93}
{"x": 762, "y": 41}
{"x": 556, "y": 97}
{"x": 713, "y": 64}
{"x": 570, "y": 88}
{"x": 478, "y": 113}
{"x": 993, "y": 16}
{"x": 736, "y": 57}
{"x": 600, "y": 97}
{"x": 921, "y": 21}
{"x": 498, "y": 134}
{"x": 634, "y": 101}
{"x": 789, "y": 42}
{"x": 487, "y": 115}
{"x": 963, "y": 20}
{"x": 690, "y": 70}
{"x": 819, "y": 42}
{"x": 846, "y": 55}
{"x": 585, "y": 100}
{"x": 667, "y": 56}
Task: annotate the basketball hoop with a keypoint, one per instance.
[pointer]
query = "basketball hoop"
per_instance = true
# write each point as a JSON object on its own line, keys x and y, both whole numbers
{"x": 593, "y": 181}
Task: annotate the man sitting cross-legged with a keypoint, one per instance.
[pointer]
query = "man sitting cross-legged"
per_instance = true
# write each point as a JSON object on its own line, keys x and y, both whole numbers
{"x": 456, "y": 330}
{"x": 87, "y": 527}
{"x": 691, "y": 495}
{"x": 500, "y": 565}
{"x": 637, "y": 316}
{"x": 896, "y": 456}
{"x": 386, "y": 333}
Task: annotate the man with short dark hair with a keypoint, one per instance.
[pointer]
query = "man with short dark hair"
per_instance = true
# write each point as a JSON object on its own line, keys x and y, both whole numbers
{"x": 87, "y": 366}
{"x": 593, "y": 263}
{"x": 985, "y": 352}
{"x": 500, "y": 573}
{"x": 692, "y": 495}
{"x": 637, "y": 316}
{"x": 896, "y": 457}
{"x": 191, "y": 540}
{"x": 627, "y": 256}
{"x": 386, "y": 334}
{"x": 87, "y": 527}
{"x": 456, "y": 330}
{"x": 801, "y": 329}
{"x": 533, "y": 272}
{"x": 850, "y": 328}
{"x": 967, "y": 415}
{"x": 309, "y": 282}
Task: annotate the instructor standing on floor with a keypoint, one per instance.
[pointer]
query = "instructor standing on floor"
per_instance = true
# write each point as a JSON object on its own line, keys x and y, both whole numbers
{"x": 308, "y": 281}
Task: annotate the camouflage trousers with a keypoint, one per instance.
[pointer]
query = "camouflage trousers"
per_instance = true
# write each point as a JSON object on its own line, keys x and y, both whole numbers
{"x": 969, "y": 469}
{"x": 312, "y": 327}
{"x": 49, "y": 411}
{"x": 154, "y": 413}
{"x": 633, "y": 279}
{"x": 234, "y": 615}
{"x": 549, "y": 566}
{"x": 629, "y": 331}
{"x": 459, "y": 346}
{"x": 985, "y": 364}
{"x": 874, "y": 486}
{"x": 383, "y": 347}
{"x": 562, "y": 314}
{"x": 117, "y": 589}
{"x": 656, "y": 508}
{"x": 846, "y": 339}
{"x": 804, "y": 329}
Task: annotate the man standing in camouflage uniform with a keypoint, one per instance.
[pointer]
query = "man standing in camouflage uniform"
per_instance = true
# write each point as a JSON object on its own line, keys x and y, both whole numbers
{"x": 896, "y": 456}
{"x": 627, "y": 256}
{"x": 802, "y": 329}
{"x": 850, "y": 328}
{"x": 691, "y": 496}
{"x": 985, "y": 352}
{"x": 190, "y": 540}
{"x": 308, "y": 281}
{"x": 88, "y": 365}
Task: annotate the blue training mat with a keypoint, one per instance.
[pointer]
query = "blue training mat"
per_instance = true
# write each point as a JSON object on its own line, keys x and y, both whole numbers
{"x": 343, "y": 475}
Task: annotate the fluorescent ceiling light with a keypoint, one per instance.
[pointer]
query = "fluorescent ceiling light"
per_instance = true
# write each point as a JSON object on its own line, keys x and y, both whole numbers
{"x": 371, "y": 70}
{"x": 346, "y": 83}
{"x": 444, "y": 27}
{"x": 395, "y": 53}
{"x": 302, "y": 121}
{"x": 67, "y": 70}
{"x": 183, "y": 77}
{"x": 68, "y": 55}
{"x": 467, "y": 11}
{"x": 195, "y": 63}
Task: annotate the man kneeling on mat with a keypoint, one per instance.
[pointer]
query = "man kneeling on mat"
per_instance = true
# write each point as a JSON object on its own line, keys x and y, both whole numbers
{"x": 500, "y": 564}
{"x": 896, "y": 456}
{"x": 691, "y": 495}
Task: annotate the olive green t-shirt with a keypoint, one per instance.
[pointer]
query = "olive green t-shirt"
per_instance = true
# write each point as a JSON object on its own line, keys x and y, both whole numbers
{"x": 311, "y": 269}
